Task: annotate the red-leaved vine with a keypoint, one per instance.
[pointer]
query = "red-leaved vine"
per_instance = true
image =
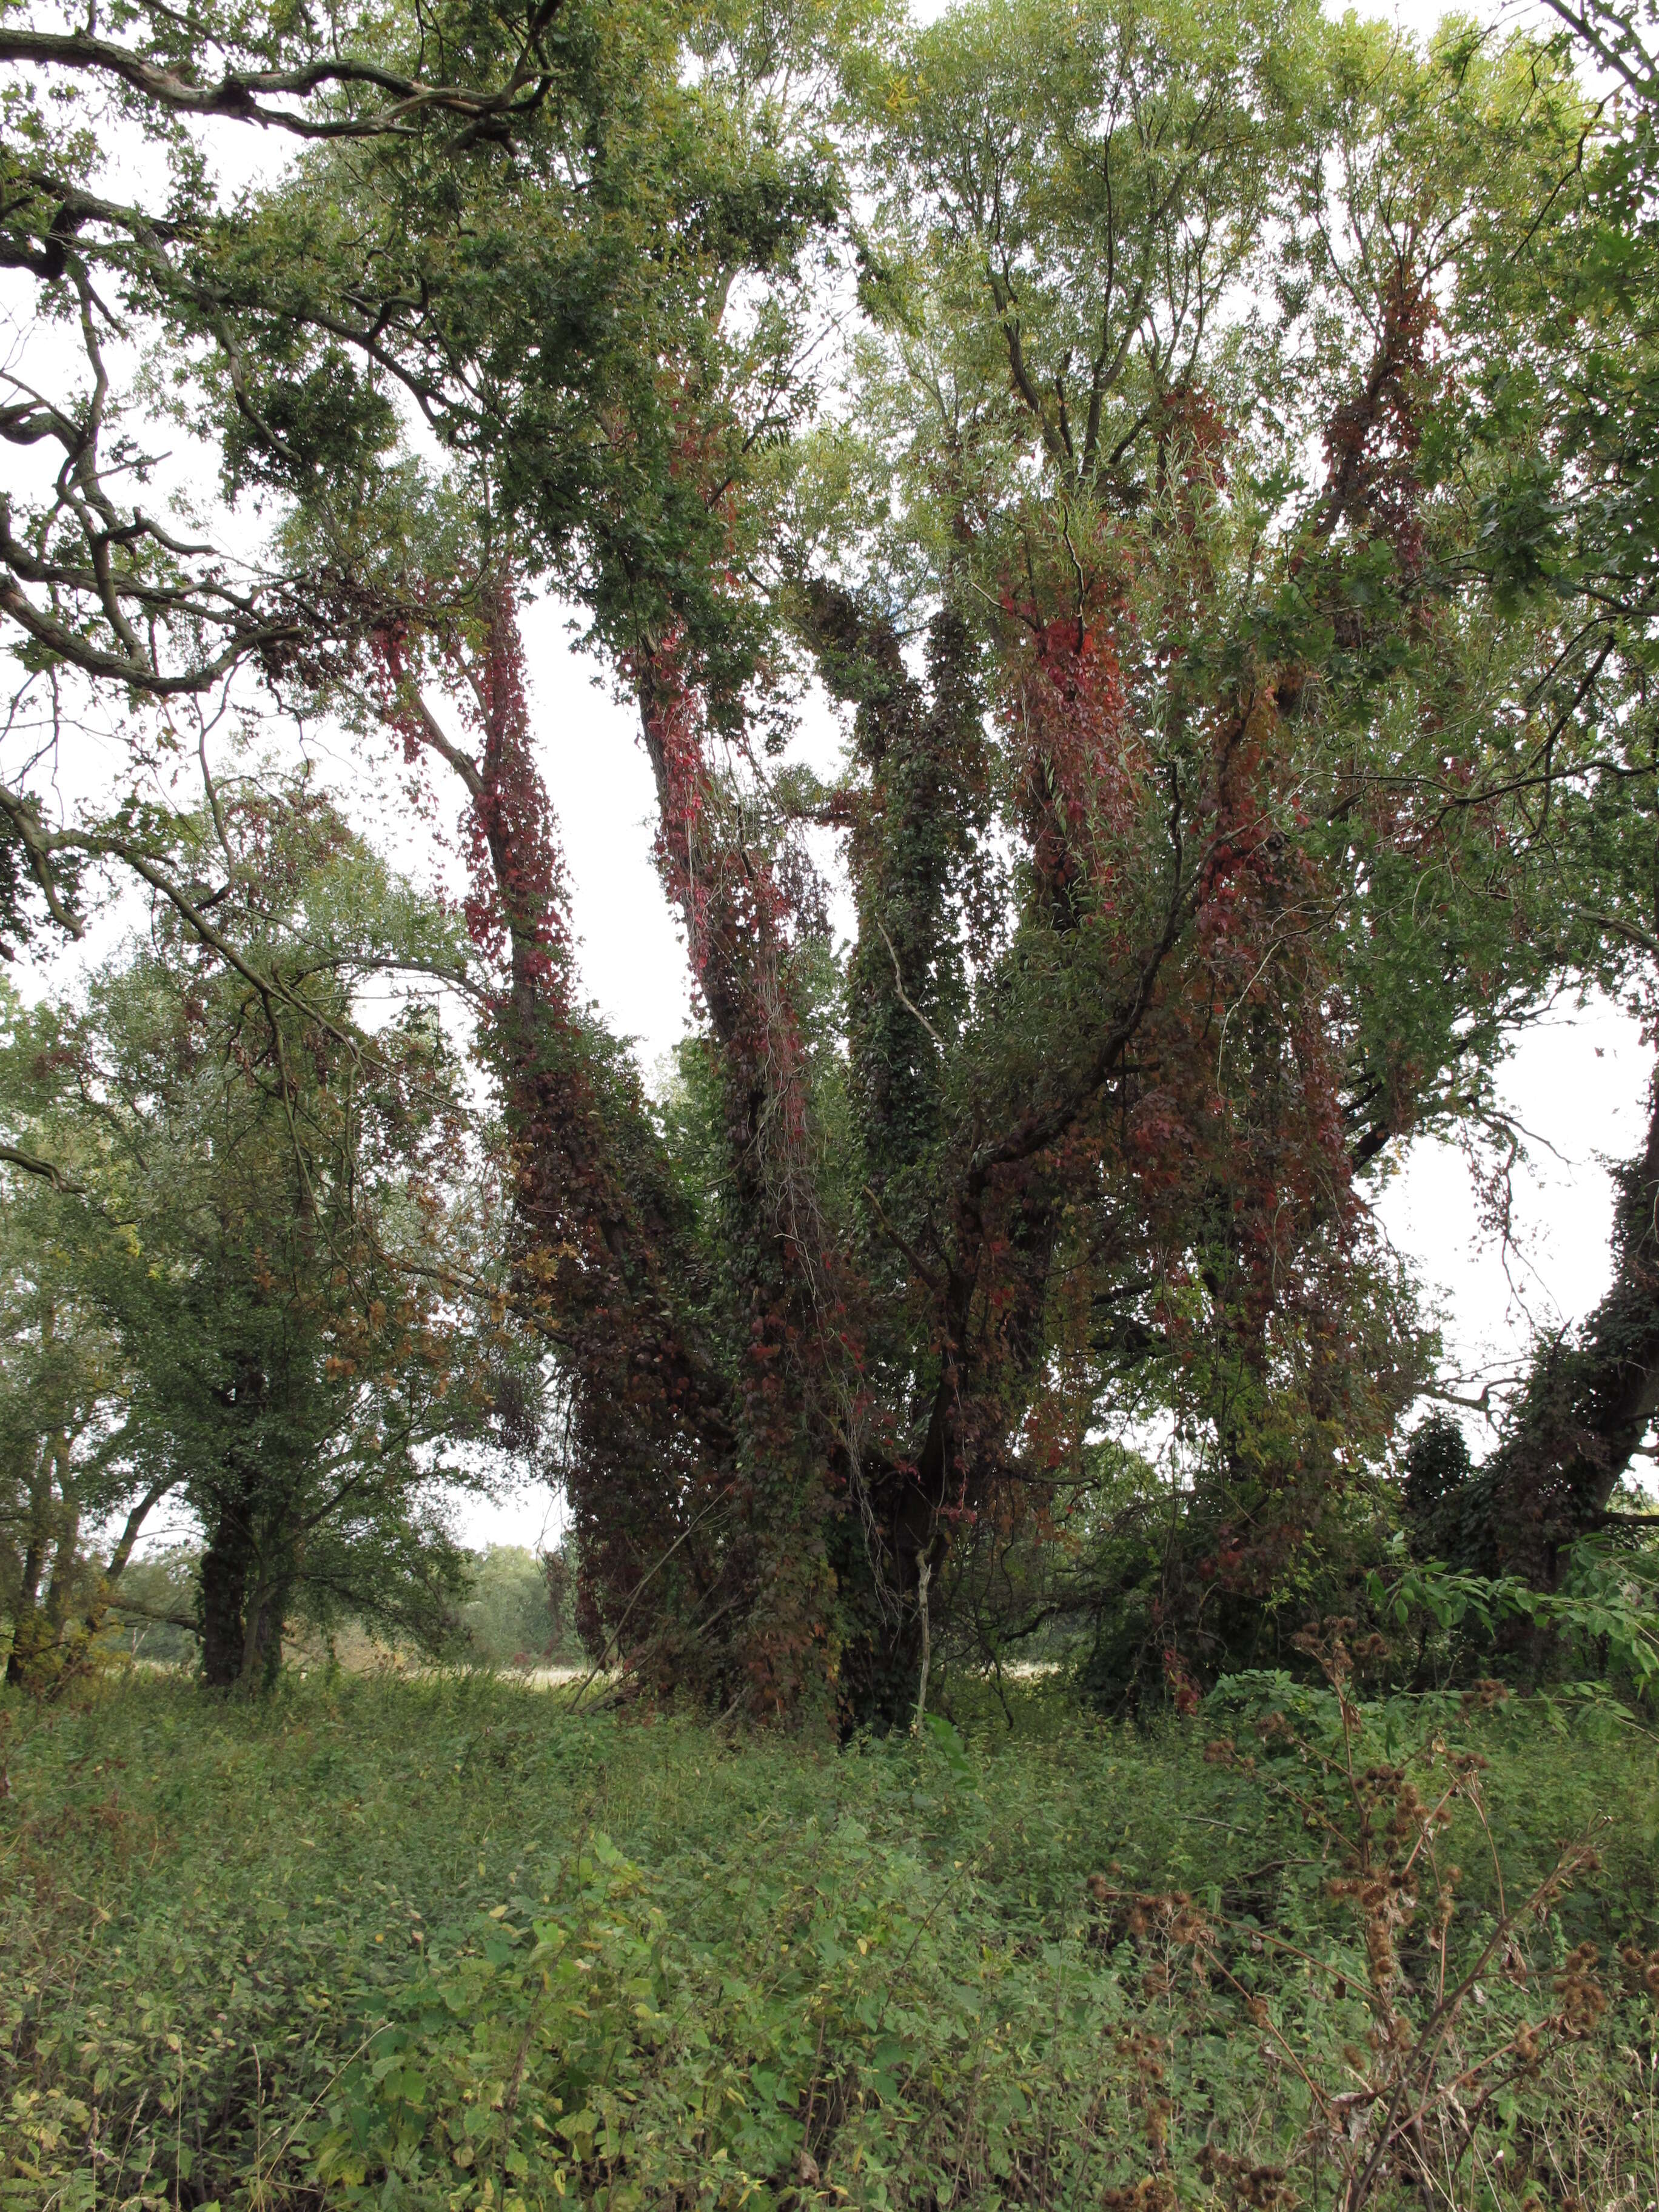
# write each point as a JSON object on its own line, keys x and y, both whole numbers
{"x": 772, "y": 1453}
{"x": 600, "y": 1262}
{"x": 799, "y": 1389}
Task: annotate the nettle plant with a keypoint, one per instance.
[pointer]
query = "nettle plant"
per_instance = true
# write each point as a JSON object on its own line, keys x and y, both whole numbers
{"x": 1408, "y": 2012}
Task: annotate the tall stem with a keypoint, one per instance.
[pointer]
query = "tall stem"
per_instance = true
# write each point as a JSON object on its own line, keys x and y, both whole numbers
{"x": 924, "y": 1575}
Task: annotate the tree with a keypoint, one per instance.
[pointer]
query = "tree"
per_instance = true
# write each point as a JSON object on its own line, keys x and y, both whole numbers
{"x": 552, "y": 295}
{"x": 866, "y": 1346}
{"x": 66, "y": 1449}
{"x": 302, "y": 1311}
{"x": 1226, "y": 690}
{"x": 1575, "y": 527}
{"x": 1232, "y": 762}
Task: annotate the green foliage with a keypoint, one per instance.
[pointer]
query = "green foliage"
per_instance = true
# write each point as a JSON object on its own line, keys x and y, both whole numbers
{"x": 520, "y": 1606}
{"x": 156, "y": 1597}
{"x": 1600, "y": 1628}
{"x": 273, "y": 1216}
{"x": 450, "y": 1944}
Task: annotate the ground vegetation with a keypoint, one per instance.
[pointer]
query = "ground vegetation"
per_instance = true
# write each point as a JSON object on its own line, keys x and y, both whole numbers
{"x": 449, "y": 1943}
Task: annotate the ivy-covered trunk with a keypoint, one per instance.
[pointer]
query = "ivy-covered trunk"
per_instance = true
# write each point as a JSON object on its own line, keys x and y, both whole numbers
{"x": 246, "y": 1573}
{"x": 228, "y": 1565}
{"x": 1587, "y": 1404}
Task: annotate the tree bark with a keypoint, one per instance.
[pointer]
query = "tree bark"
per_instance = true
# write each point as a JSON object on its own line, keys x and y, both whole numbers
{"x": 267, "y": 1612}
{"x": 227, "y": 1567}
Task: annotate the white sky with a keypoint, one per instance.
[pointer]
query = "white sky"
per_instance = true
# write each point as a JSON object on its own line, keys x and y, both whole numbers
{"x": 1578, "y": 1081}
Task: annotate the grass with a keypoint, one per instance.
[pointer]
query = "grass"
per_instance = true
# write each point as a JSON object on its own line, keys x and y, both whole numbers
{"x": 445, "y": 1943}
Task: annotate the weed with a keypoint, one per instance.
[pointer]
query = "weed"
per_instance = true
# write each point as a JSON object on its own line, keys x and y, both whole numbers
{"x": 447, "y": 1944}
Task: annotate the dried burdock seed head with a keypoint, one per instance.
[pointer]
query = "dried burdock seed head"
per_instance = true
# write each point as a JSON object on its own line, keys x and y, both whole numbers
{"x": 1155, "y": 2194}
{"x": 1582, "y": 1999}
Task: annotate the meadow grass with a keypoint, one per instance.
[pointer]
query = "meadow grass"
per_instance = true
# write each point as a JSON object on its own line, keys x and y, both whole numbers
{"x": 448, "y": 1943}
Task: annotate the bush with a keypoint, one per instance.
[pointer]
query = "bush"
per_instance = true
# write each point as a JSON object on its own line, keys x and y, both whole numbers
{"x": 449, "y": 1944}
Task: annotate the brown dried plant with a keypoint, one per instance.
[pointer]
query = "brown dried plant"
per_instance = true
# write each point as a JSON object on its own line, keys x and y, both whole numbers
{"x": 1430, "y": 2013}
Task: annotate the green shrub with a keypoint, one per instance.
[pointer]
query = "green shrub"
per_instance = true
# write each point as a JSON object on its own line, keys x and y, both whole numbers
{"x": 450, "y": 1944}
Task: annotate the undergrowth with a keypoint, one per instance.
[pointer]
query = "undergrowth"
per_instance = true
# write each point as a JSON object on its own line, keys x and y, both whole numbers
{"x": 449, "y": 1944}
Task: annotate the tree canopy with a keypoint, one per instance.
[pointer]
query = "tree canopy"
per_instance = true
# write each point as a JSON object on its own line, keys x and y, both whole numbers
{"x": 1206, "y": 455}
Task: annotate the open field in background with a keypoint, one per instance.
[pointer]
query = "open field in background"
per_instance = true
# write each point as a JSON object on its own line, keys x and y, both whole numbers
{"x": 443, "y": 1943}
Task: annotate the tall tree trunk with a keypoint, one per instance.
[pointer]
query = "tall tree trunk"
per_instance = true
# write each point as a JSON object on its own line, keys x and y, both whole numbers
{"x": 25, "y": 1635}
{"x": 266, "y": 1615}
{"x": 602, "y": 1231}
{"x": 38, "y": 1638}
{"x": 227, "y": 1567}
{"x": 238, "y": 1557}
{"x": 65, "y": 1557}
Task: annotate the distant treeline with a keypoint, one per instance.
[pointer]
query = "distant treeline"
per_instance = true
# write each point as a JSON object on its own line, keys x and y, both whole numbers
{"x": 517, "y": 1612}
